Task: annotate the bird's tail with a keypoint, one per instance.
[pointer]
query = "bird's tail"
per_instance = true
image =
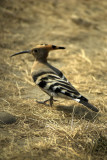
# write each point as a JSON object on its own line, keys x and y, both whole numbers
{"x": 81, "y": 99}
{"x": 88, "y": 105}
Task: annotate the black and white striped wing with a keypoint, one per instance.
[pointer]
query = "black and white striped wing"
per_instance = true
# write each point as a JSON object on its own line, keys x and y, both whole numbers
{"x": 53, "y": 85}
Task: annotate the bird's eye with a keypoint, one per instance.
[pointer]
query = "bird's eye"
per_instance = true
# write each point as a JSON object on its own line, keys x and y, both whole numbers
{"x": 35, "y": 50}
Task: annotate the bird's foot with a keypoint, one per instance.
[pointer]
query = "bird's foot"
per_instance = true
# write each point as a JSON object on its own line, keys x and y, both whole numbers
{"x": 45, "y": 102}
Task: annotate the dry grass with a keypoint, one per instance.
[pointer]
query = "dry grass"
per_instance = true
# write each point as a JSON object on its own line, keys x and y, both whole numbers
{"x": 68, "y": 130}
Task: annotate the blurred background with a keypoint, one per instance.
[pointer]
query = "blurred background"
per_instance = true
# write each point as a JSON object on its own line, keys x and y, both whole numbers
{"x": 75, "y": 24}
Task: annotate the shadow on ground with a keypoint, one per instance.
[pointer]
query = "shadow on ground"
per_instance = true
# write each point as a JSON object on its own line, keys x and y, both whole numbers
{"x": 78, "y": 112}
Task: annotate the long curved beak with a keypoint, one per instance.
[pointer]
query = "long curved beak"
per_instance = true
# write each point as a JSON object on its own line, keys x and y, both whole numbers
{"x": 28, "y": 51}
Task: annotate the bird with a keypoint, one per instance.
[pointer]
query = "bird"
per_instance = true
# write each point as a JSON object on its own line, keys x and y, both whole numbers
{"x": 50, "y": 79}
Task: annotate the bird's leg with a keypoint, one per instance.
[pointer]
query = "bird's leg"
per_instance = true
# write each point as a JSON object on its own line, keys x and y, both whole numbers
{"x": 44, "y": 102}
{"x": 51, "y": 101}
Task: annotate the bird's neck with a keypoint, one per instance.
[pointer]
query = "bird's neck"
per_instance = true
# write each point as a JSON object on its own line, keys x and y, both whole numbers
{"x": 39, "y": 65}
{"x": 41, "y": 60}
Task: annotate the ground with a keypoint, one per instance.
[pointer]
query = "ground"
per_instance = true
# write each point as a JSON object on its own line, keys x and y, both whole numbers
{"x": 67, "y": 130}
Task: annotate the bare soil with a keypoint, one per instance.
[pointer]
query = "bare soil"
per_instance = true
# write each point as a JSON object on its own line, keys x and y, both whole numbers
{"x": 68, "y": 130}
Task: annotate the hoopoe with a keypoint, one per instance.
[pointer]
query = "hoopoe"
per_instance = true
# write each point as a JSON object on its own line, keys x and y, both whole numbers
{"x": 50, "y": 79}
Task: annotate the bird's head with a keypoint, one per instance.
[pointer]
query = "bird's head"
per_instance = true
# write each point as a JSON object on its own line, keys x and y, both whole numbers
{"x": 40, "y": 52}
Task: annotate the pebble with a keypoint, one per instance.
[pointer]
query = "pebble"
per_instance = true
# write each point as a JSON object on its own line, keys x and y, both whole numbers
{"x": 7, "y": 118}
